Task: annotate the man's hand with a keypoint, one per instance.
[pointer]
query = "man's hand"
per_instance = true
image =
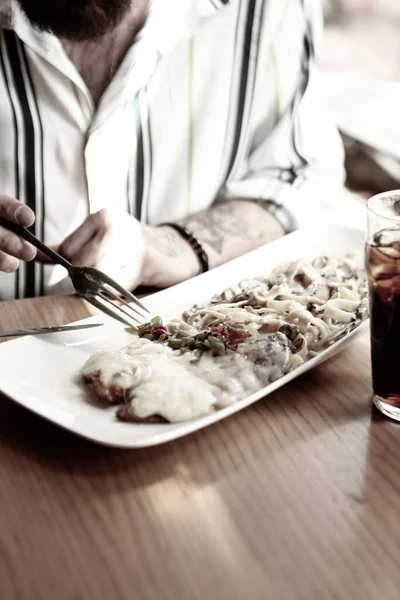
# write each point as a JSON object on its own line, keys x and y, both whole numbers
{"x": 12, "y": 247}
{"x": 111, "y": 241}
{"x": 129, "y": 252}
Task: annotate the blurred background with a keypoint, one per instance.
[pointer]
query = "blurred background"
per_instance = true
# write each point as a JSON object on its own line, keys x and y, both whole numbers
{"x": 360, "y": 63}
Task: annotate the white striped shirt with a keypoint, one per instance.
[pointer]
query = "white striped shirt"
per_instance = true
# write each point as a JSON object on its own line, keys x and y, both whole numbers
{"x": 214, "y": 99}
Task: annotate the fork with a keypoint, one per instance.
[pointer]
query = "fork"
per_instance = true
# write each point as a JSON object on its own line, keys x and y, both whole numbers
{"x": 91, "y": 284}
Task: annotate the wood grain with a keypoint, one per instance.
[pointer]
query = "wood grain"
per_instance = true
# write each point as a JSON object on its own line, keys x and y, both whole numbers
{"x": 294, "y": 498}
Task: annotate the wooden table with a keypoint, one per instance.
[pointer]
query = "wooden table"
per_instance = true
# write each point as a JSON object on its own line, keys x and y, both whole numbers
{"x": 296, "y": 497}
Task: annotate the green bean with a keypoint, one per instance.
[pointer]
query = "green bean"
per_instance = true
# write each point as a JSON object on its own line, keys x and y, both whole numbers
{"x": 235, "y": 341}
{"x": 217, "y": 346}
{"x": 237, "y": 328}
{"x": 132, "y": 330}
{"x": 156, "y": 322}
{"x": 175, "y": 344}
{"x": 250, "y": 310}
{"x": 189, "y": 342}
{"x": 149, "y": 336}
{"x": 218, "y": 320}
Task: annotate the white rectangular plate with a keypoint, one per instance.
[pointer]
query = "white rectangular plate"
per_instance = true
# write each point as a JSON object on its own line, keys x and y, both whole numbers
{"x": 42, "y": 373}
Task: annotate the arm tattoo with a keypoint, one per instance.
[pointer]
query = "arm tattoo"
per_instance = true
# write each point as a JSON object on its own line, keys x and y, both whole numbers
{"x": 165, "y": 240}
{"x": 216, "y": 225}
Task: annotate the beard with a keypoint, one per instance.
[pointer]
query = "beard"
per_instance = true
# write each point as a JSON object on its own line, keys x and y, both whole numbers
{"x": 75, "y": 20}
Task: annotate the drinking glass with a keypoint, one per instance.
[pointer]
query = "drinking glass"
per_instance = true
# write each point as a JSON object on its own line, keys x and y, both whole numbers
{"x": 382, "y": 261}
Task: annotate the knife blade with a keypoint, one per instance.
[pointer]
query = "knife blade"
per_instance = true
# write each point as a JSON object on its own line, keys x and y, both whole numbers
{"x": 41, "y": 330}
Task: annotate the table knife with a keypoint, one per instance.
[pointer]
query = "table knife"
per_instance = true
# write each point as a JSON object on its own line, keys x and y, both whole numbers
{"x": 41, "y": 330}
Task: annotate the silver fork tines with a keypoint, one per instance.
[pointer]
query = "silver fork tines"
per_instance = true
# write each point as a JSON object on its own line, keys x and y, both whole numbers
{"x": 109, "y": 292}
{"x": 104, "y": 304}
{"x": 124, "y": 293}
{"x": 105, "y": 296}
{"x": 108, "y": 295}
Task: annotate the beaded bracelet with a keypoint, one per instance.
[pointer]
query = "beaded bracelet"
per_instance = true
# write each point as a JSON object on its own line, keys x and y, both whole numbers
{"x": 193, "y": 242}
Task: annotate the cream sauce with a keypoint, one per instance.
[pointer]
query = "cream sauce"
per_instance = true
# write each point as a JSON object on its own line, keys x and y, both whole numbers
{"x": 178, "y": 386}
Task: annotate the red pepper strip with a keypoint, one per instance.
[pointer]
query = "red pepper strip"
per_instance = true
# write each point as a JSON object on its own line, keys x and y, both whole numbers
{"x": 227, "y": 333}
{"x": 154, "y": 331}
{"x": 158, "y": 331}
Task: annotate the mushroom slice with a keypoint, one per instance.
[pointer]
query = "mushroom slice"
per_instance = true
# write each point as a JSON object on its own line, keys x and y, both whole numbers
{"x": 270, "y": 356}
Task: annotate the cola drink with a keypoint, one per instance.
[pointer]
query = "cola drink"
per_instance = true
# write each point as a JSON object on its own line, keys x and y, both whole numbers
{"x": 382, "y": 261}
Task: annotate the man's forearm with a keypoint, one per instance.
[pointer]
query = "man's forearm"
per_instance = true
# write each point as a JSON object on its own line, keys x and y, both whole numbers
{"x": 226, "y": 230}
{"x": 233, "y": 227}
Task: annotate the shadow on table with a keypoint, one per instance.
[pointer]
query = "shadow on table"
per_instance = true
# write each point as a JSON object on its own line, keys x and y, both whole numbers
{"x": 369, "y": 543}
